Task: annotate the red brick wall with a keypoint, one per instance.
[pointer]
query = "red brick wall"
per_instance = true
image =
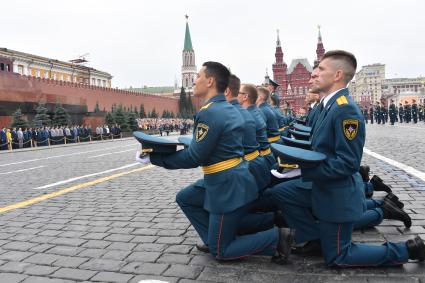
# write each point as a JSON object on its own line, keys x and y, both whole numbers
{"x": 17, "y": 88}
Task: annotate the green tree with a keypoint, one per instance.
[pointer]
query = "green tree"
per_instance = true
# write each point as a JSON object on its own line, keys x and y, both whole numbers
{"x": 165, "y": 114}
{"x": 61, "y": 117}
{"x": 132, "y": 122}
{"x": 18, "y": 121}
{"x": 182, "y": 102}
{"x": 190, "y": 108}
{"x": 109, "y": 119}
{"x": 120, "y": 118}
{"x": 41, "y": 118}
{"x": 142, "y": 113}
{"x": 96, "y": 107}
{"x": 154, "y": 114}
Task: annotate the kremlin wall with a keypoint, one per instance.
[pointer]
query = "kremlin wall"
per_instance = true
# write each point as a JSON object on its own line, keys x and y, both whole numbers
{"x": 25, "y": 92}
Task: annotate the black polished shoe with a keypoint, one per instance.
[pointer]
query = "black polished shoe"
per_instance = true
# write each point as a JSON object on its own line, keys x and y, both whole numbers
{"x": 203, "y": 248}
{"x": 416, "y": 248}
{"x": 279, "y": 220}
{"x": 378, "y": 184}
{"x": 364, "y": 172}
{"x": 392, "y": 211}
{"x": 286, "y": 238}
{"x": 394, "y": 199}
{"x": 311, "y": 248}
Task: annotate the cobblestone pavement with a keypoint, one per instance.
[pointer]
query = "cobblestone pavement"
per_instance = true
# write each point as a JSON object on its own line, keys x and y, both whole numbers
{"x": 129, "y": 228}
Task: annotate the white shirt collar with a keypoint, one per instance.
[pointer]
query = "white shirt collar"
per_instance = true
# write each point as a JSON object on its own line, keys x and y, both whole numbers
{"x": 327, "y": 98}
{"x": 313, "y": 104}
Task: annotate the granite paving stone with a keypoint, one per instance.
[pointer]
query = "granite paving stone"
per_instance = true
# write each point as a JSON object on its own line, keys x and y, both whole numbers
{"x": 130, "y": 228}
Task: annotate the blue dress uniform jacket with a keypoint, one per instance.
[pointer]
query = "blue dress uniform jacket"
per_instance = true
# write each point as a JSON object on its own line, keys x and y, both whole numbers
{"x": 340, "y": 134}
{"x": 217, "y": 138}
{"x": 273, "y": 134}
{"x": 313, "y": 115}
{"x": 249, "y": 140}
{"x": 261, "y": 135}
{"x": 281, "y": 120}
{"x": 257, "y": 164}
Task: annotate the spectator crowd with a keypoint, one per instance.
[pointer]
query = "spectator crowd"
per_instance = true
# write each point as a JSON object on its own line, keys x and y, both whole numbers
{"x": 165, "y": 125}
{"x": 17, "y": 138}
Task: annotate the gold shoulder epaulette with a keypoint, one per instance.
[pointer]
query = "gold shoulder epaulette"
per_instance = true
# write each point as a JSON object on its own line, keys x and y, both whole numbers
{"x": 342, "y": 100}
{"x": 206, "y": 106}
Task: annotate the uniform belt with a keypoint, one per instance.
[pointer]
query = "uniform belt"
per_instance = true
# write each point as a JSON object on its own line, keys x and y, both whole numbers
{"x": 221, "y": 166}
{"x": 251, "y": 156}
{"x": 273, "y": 139}
{"x": 283, "y": 128}
{"x": 265, "y": 151}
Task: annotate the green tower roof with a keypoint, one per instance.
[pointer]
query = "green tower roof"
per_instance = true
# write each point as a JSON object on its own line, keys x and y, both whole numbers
{"x": 187, "y": 40}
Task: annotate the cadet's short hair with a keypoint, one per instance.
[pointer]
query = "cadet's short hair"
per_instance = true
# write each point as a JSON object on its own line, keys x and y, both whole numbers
{"x": 234, "y": 85}
{"x": 349, "y": 62}
{"x": 264, "y": 92}
{"x": 219, "y": 72}
{"x": 252, "y": 92}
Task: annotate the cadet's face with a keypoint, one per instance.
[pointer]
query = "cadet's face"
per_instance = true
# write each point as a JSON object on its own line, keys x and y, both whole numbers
{"x": 313, "y": 87}
{"x": 325, "y": 76}
{"x": 270, "y": 88}
{"x": 201, "y": 83}
{"x": 242, "y": 96}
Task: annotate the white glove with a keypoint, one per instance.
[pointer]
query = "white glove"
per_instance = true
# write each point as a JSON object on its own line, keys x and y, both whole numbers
{"x": 289, "y": 174}
{"x": 143, "y": 159}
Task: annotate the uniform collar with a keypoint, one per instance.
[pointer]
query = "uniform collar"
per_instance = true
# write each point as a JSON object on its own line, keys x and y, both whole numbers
{"x": 252, "y": 106}
{"x": 218, "y": 97}
{"x": 328, "y": 100}
{"x": 263, "y": 104}
{"x": 234, "y": 102}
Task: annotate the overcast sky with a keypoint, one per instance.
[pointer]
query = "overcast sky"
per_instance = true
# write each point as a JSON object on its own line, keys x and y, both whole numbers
{"x": 140, "y": 41}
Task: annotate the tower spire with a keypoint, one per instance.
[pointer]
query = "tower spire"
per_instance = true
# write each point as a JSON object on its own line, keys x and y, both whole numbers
{"x": 320, "y": 50}
{"x": 187, "y": 39}
{"x": 320, "y": 35}
{"x": 278, "y": 39}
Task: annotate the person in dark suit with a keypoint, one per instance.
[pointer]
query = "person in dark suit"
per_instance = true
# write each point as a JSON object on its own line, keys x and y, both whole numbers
{"x": 371, "y": 113}
{"x": 393, "y": 112}
{"x": 414, "y": 111}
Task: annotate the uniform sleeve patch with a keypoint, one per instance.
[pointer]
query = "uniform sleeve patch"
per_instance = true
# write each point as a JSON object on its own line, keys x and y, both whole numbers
{"x": 201, "y": 132}
{"x": 351, "y": 128}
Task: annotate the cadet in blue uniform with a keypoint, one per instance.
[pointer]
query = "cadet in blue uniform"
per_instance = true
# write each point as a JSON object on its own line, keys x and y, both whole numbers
{"x": 281, "y": 119}
{"x": 273, "y": 134}
{"x": 337, "y": 198}
{"x": 272, "y": 86}
{"x": 257, "y": 164}
{"x": 247, "y": 98}
{"x": 216, "y": 204}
